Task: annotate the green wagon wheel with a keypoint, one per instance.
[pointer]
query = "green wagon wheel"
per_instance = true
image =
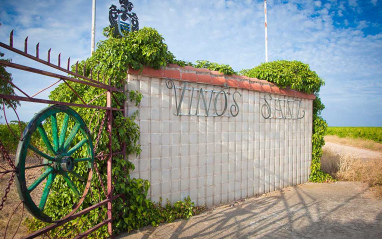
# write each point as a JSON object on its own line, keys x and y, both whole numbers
{"x": 62, "y": 171}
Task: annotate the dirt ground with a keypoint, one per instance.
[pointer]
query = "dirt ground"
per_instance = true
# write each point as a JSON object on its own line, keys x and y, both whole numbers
{"x": 13, "y": 211}
{"x": 332, "y": 210}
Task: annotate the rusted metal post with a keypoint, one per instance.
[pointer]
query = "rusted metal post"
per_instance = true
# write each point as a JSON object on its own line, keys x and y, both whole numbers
{"x": 109, "y": 164}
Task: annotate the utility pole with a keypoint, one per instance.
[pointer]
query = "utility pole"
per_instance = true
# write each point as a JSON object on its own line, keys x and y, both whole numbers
{"x": 93, "y": 26}
{"x": 266, "y": 31}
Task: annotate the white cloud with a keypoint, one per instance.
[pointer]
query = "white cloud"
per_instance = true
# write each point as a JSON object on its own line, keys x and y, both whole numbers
{"x": 362, "y": 25}
{"x": 353, "y": 3}
{"x": 342, "y": 6}
{"x": 374, "y": 2}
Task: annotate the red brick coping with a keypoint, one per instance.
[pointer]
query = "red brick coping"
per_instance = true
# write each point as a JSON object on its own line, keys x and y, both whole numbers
{"x": 205, "y": 76}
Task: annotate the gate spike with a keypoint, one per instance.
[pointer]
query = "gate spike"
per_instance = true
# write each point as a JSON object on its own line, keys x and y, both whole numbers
{"x": 103, "y": 78}
{"x": 26, "y": 45}
{"x": 98, "y": 76}
{"x": 37, "y": 49}
{"x": 68, "y": 63}
{"x": 83, "y": 73}
{"x": 49, "y": 55}
{"x": 11, "y": 39}
{"x": 59, "y": 59}
{"x": 77, "y": 67}
{"x": 91, "y": 74}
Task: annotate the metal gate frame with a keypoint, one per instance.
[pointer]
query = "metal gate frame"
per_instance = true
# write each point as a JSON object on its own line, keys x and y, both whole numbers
{"x": 81, "y": 79}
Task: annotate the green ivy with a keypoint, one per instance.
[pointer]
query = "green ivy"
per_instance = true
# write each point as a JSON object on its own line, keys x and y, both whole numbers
{"x": 222, "y": 68}
{"x": 112, "y": 59}
{"x": 298, "y": 76}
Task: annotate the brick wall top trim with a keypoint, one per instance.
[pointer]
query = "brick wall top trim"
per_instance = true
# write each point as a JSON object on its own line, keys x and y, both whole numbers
{"x": 205, "y": 76}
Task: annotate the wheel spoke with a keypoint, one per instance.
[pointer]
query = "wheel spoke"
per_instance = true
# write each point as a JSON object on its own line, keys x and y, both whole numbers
{"x": 71, "y": 136}
{"x": 46, "y": 191}
{"x": 37, "y": 166}
{"x": 44, "y": 137}
{"x": 82, "y": 160}
{"x": 54, "y": 131}
{"x": 71, "y": 184}
{"x": 63, "y": 131}
{"x": 50, "y": 158}
{"x": 40, "y": 179}
{"x": 82, "y": 179}
{"x": 77, "y": 146}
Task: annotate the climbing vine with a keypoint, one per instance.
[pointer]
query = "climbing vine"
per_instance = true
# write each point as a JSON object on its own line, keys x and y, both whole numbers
{"x": 112, "y": 59}
{"x": 298, "y": 76}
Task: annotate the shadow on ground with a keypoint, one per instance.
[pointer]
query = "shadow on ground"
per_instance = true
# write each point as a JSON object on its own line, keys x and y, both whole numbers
{"x": 337, "y": 210}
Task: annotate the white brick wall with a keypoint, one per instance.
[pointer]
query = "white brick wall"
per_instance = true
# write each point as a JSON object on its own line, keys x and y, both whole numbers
{"x": 216, "y": 160}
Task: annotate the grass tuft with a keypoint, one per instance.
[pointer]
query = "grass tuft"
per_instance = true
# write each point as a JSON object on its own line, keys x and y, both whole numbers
{"x": 347, "y": 168}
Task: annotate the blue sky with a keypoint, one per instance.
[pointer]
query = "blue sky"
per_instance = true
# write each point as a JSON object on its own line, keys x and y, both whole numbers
{"x": 340, "y": 40}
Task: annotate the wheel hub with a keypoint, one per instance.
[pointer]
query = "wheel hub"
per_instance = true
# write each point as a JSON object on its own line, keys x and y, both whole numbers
{"x": 64, "y": 164}
{"x": 67, "y": 163}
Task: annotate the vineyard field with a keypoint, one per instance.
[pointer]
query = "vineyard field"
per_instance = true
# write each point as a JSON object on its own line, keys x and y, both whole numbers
{"x": 372, "y": 133}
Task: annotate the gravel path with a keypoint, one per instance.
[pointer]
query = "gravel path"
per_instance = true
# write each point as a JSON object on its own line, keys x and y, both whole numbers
{"x": 354, "y": 152}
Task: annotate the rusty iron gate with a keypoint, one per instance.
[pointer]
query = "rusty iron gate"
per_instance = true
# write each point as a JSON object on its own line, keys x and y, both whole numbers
{"x": 61, "y": 147}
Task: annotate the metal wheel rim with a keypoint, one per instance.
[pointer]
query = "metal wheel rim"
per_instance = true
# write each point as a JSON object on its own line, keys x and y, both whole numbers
{"x": 60, "y": 152}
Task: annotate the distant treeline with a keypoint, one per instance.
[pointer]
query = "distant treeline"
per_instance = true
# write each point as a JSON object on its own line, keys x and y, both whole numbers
{"x": 372, "y": 133}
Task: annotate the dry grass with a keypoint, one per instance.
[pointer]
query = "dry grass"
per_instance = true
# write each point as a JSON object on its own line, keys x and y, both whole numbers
{"x": 359, "y": 143}
{"x": 347, "y": 168}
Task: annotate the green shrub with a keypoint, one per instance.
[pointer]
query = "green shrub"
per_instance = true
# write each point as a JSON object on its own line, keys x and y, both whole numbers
{"x": 222, "y": 68}
{"x": 9, "y": 140}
